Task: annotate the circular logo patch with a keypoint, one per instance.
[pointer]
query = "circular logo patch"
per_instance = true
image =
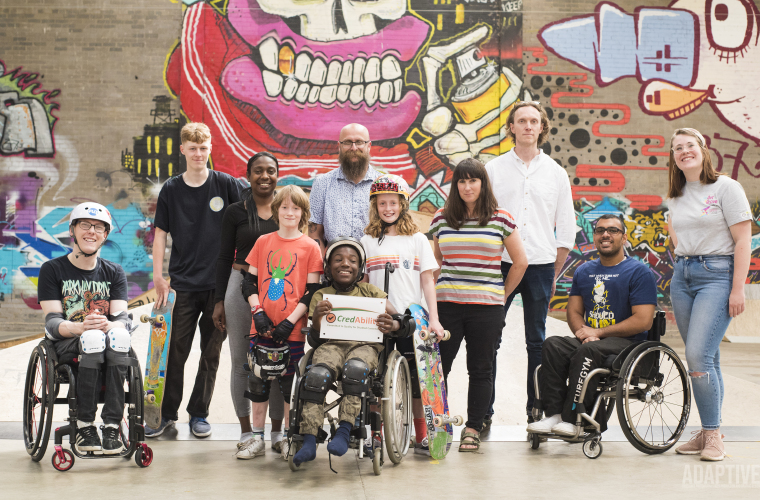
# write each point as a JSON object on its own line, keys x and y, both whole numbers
{"x": 216, "y": 204}
{"x": 330, "y": 318}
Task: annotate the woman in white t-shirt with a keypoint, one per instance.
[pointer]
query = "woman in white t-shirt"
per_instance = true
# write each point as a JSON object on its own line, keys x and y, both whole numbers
{"x": 392, "y": 236}
{"x": 710, "y": 224}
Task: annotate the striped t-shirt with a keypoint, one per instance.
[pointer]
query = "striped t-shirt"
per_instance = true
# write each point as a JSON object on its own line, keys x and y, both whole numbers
{"x": 471, "y": 270}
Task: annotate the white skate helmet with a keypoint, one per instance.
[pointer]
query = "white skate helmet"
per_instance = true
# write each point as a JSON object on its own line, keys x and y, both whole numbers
{"x": 91, "y": 210}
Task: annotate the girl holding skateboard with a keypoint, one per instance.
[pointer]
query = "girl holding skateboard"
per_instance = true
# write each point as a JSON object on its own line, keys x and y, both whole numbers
{"x": 392, "y": 236}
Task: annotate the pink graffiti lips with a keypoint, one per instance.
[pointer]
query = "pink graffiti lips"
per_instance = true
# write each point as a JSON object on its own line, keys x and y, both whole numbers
{"x": 311, "y": 89}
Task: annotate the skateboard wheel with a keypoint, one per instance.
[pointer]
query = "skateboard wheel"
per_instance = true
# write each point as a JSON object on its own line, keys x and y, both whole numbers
{"x": 151, "y": 398}
{"x": 145, "y": 318}
{"x": 424, "y": 335}
{"x": 160, "y": 318}
{"x": 437, "y": 421}
{"x": 458, "y": 420}
{"x": 446, "y": 335}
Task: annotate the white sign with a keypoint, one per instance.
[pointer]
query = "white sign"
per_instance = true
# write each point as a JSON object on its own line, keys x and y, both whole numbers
{"x": 353, "y": 318}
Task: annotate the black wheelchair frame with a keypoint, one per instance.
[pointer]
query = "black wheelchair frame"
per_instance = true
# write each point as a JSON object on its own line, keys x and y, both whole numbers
{"x": 632, "y": 378}
{"x": 390, "y": 389}
{"x": 46, "y": 373}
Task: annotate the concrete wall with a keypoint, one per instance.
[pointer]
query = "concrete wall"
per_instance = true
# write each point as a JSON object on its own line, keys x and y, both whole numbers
{"x": 95, "y": 93}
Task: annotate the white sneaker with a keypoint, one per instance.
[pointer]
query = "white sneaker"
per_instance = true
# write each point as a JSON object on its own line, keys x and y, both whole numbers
{"x": 252, "y": 448}
{"x": 564, "y": 429}
{"x": 544, "y": 426}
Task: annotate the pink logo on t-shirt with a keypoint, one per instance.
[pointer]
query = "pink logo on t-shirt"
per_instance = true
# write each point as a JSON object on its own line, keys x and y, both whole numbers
{"x": 711, "y": 207}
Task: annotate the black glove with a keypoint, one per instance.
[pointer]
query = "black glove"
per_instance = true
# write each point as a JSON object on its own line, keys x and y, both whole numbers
{"x": 262, "y": 322}
{"x": 282, "y": 331}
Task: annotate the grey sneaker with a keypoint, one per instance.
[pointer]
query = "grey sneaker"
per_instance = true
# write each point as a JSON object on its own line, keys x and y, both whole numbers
{"x": 151, "y": 432}
{"x": 200, "y": 427}
{"x": 422, "y": 448}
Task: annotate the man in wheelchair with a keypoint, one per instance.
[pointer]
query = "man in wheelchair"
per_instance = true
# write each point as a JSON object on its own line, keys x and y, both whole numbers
{"x": 612, "y": 302}
{"x": 349, "y": 361}
{"x": 84, "y": 299}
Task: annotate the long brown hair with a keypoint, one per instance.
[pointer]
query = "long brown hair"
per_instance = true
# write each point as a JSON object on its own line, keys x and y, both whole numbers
{"x": 455, "y": 211}
{"x": 676, "y": 178}
{"x": 405, "y": 226}
{"x": 299, "y": 199}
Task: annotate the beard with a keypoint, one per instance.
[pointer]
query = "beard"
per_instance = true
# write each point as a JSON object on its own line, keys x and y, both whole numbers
{"x": 354, "y": 163}
{"x": 613, "y": 251}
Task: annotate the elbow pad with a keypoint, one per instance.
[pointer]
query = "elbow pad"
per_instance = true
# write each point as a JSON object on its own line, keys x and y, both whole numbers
{"x": 250, "y": 284}
{"x": 311, "y": 289}
{"x": 52, "y": 323}
{"x": 408, "y": 325}
{"x": 125, "y": 319}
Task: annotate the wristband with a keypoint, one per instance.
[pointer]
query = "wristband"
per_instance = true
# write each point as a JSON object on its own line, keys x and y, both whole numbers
{"x": 256, "y": 309}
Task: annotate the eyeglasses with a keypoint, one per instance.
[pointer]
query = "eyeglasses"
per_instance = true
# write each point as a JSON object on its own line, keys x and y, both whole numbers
{"x": 681, "y": 148}
{"x": 358, "y": 144}
{"x": 612, "y": 230}
{"x": 85, "y": 226}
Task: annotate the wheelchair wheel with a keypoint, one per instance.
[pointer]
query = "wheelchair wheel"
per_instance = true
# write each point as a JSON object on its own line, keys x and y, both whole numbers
{"x": 397, "y": 407}
{"x": 377, "y": 462}
{"x": 63, "y": 460}
{"x": 293, "y": 448}
{"x": 592, "y": 447}
{"x": 653, "y": 398}
{"x": 133, "y": 414}
{"x": 39, "y": 398}
{"x": 143, "y": 456}
{"x": 535, "y": 440}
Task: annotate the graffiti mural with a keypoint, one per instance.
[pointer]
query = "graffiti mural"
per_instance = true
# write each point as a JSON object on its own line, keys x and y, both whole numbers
{"x": 684, "y": 55}
{"x": 432, "y": 80}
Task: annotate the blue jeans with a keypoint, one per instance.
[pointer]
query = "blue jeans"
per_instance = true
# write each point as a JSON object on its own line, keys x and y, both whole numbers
{"x": 699, "y": 292}
{"x": 536, "y": 289}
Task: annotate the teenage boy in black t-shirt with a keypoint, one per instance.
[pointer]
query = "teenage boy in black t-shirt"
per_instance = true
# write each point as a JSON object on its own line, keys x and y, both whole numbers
{"x": 190, "y": 207}
{"x": 84, "y": 299}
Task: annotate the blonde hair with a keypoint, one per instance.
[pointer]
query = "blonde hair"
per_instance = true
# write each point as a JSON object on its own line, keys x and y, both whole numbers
{"x": 299, "y": 199}
{"x": 405, "y": 225}
{"x": 195, "y": 132}
{"x": 676, "y": 178}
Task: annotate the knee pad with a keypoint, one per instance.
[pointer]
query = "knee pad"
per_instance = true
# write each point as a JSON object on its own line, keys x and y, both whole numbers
{"x": 258, "y": 389}
{"x": 355, "y": 377}
{"x": 93, "y": 341}
{"x": 317, "y": 382}
{"x": 119, "y": 340}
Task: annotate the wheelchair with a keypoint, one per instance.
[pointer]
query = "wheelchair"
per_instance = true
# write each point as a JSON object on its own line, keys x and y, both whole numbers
{"x": 391, "y": 427}
{"x": 44, "y": 376}
{"x": 653, "y": 394}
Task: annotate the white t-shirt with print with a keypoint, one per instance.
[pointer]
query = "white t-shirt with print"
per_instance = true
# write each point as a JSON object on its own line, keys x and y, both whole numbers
{"x": 410, "y": 256}
{"x": 702, "y": 215}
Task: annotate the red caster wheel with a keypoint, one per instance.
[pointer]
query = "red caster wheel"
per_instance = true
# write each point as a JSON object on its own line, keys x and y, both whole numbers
{"x": 63, "y": 460}
{"x": 143, "y": 455}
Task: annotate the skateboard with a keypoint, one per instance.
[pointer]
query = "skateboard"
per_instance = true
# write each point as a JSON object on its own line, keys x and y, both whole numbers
{"x": 432, "y": 387}
{"x": 158, "y": 356}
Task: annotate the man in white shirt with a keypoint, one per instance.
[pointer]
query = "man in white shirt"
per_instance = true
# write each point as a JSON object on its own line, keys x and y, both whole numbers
{"x": 535, "y": 190}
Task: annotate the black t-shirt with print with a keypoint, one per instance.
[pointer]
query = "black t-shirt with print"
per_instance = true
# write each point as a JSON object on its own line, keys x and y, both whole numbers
{"x": 193, "y": 216}
{"x": 79, "y": 291}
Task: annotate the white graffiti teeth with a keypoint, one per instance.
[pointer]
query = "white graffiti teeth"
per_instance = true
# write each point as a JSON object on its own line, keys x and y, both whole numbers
{"x": 304, "y": 78}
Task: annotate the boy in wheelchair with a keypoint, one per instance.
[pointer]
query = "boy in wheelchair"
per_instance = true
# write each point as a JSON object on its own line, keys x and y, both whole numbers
{"x": 348, "y": 361}
{"x": 84, "y": 299}
{"x": 612, "y": 302}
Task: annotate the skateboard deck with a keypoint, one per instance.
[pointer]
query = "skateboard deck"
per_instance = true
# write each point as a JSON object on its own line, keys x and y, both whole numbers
{"x": 158, "y": 355}
{"x": 432, "y": 387}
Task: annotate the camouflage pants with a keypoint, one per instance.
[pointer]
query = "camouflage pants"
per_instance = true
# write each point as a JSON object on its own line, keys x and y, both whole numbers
{"x": 335, "y": 354}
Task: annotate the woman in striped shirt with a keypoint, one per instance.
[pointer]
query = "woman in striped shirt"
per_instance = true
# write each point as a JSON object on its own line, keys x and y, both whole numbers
{"x": 470, "y": 233}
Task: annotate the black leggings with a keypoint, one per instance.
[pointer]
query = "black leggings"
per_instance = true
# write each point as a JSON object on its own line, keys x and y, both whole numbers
{"x": 480, "y": 326}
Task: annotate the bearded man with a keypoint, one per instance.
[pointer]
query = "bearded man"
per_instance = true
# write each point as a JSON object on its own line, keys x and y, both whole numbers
{"x": 340, "y": 199}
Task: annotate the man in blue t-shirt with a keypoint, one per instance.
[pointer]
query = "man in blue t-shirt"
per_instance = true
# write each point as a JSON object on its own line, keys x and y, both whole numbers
{"x": 611, "y": 304}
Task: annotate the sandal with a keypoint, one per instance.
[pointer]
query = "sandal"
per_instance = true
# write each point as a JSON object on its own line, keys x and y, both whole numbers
{"x": 474, "y": 441}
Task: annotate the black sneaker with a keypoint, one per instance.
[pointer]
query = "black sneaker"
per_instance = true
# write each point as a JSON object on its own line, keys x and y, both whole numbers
{"x": 88, "y": 439}
{"x": 111, "y": 441}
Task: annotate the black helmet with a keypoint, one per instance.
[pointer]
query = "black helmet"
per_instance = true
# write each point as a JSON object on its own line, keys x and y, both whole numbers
{"x": 341, "y": 241}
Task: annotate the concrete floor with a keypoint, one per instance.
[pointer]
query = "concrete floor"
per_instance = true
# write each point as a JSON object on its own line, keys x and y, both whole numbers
{"x": 208, "y": 470}
{"x": 185, "y": 467}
